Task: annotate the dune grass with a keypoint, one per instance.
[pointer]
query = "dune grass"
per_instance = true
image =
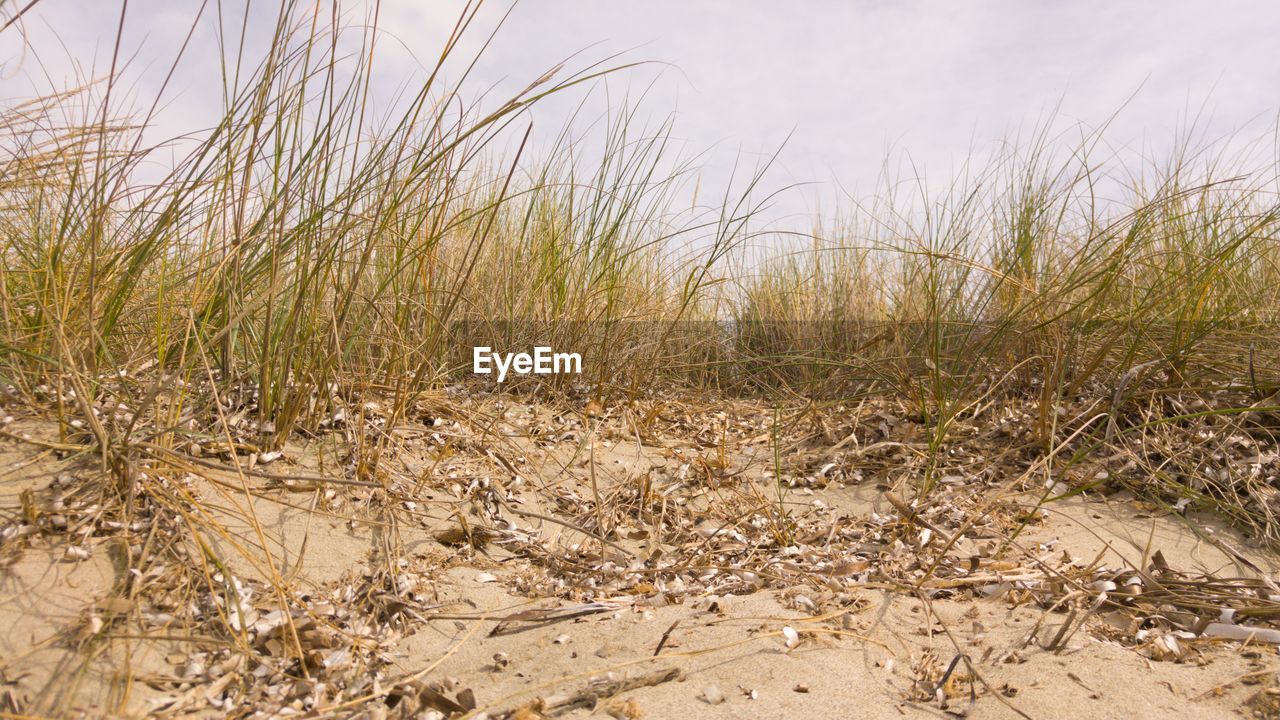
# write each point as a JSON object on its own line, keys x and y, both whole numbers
{"x": 308, "y": 245}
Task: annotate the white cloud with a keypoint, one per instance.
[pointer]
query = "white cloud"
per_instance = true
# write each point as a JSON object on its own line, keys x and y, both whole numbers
{"x": 938, "y": 79}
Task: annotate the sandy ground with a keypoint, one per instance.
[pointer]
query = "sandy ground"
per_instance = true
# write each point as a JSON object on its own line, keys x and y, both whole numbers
{"x": 762, "y": 654}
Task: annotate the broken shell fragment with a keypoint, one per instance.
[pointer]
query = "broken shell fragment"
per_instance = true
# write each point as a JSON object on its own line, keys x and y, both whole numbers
{"x": 792, "y": 637}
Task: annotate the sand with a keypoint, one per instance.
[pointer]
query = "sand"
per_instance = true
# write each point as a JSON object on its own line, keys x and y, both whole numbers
{"x": 761, "y": 654}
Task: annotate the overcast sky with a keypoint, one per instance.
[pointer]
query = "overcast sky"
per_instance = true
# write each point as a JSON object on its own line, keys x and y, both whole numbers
{"x": 849, "y": 81}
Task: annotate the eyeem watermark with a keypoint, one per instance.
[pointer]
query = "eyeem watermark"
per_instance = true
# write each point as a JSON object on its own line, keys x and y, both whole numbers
{"x": 543, "y": 361}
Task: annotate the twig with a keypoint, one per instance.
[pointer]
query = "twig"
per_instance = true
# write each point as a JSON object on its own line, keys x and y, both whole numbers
{"x": 591, "y": 695}
{"x": 910, "y": 515}
{"x": 665, "y": 636}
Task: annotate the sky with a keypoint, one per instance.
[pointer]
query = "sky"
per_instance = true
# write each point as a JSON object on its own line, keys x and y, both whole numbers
{"x": 846, "y": 85}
